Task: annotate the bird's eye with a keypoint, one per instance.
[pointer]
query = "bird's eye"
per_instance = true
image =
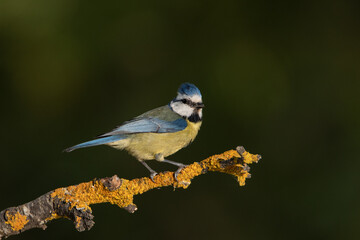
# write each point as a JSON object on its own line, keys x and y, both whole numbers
{"x": 184, "y": 100}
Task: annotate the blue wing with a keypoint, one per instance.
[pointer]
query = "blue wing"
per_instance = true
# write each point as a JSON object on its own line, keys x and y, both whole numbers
{"x": 159, "y": 120}
{"x": 148, "y": 125}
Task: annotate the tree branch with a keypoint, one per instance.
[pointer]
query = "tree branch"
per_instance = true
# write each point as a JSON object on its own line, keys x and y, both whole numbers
{"x": 74, "y": 202}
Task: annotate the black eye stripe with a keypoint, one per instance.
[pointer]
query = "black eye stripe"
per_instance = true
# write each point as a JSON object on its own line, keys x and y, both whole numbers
{"x": 189, "y": 102}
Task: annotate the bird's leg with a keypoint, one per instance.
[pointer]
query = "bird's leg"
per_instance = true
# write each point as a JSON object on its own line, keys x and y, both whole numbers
{"x": 180, "y": 165}
{"x": 152, "y": 172}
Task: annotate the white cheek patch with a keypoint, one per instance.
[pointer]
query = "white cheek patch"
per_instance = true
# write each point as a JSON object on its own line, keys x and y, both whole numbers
{"x": 182, "y": 109}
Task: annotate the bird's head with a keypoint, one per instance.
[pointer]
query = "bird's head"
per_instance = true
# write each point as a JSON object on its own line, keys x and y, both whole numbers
{"x": 188, "y": 103}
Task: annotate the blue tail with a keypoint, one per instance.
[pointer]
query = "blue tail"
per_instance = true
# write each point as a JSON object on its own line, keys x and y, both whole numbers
{"x": 96, "y": 142}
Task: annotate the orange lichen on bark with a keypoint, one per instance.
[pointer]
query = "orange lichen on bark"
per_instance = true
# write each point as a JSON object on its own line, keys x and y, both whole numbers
{"x": 16, "y": 221}
{"x": 52, "y": 217}
{"x": 78, "y": 221}
{"x": 238, "y": 167}
{"x": 93, "y": 192}
{"x": 84, "y": 194}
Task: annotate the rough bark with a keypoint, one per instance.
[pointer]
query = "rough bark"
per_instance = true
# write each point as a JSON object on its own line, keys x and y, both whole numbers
{"x": 74, "y": 202}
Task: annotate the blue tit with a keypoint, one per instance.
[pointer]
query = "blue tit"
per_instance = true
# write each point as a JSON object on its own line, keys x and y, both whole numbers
{"x": 158, "y": 133}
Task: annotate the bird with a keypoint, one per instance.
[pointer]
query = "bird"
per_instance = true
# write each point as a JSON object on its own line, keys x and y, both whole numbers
{"x": 158, "y": 133}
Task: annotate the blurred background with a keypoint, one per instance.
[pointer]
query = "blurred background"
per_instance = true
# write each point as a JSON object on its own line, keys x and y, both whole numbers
{"x": 280, "y": 78}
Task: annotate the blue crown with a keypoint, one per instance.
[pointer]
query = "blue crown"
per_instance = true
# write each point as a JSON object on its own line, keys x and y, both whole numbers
{"x": 189, "y": 89}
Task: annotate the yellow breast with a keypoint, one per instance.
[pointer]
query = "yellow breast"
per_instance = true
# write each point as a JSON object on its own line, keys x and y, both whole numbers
{"x": 144, "y": 146}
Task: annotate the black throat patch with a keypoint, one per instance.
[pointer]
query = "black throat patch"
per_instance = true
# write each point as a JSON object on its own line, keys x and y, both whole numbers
{"x": 194, "y": 118}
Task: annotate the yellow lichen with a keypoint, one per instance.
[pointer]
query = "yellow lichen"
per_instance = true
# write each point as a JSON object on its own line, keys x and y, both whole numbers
{"x": 84, "y": 194}
{"x": 78, "y": 221}
{"x": 250, "y": 158}
{"x": 16, "y": 221}
{"x": 52, "y": 217}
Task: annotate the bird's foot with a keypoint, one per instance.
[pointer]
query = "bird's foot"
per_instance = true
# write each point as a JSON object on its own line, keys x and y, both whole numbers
{"x": 178, "y": 171}
{"x": 152, "y": 175}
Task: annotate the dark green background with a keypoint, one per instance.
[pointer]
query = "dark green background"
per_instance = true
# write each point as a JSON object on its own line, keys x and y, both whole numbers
{"x": 278, "y": 77}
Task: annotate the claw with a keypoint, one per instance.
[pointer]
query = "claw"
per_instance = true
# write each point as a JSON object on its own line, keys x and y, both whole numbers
{"x": 152, "y": 175}
{"x": 178, "y": 171}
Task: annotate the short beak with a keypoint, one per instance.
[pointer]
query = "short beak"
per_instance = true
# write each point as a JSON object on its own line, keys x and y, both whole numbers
{"x": 200, "y": 105}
